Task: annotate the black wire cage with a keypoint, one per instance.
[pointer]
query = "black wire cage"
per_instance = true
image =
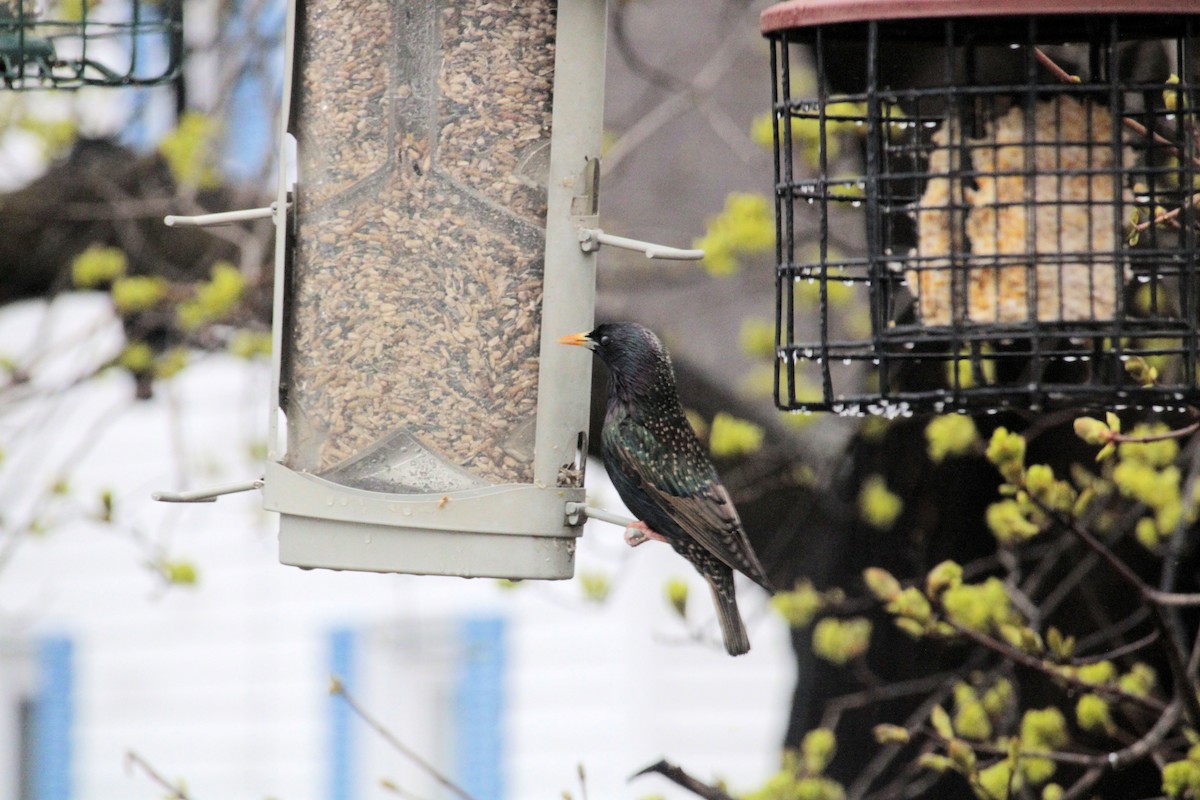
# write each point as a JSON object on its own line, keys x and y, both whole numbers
{"x": 1008, "y": 187}
{"x": 68, "y": 44}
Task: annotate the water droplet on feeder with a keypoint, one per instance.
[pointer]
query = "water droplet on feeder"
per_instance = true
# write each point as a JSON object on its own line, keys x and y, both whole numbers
{"x": 875, "y": 361}
{"x": 1014, "y": 46}
{"x": 1143, "y": 278}
{"x": 930, "y": 123}
{"x": 856, "y": 203}
{"x": 846, "y": 361}
{"x": 1158, "y": 409}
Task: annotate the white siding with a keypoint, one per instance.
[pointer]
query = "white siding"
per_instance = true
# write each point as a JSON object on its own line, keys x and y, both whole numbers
{"x": 225, "y": 685}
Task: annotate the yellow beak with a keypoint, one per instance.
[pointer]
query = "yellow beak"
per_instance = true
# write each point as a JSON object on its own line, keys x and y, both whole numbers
{"x": 578, "y": 339}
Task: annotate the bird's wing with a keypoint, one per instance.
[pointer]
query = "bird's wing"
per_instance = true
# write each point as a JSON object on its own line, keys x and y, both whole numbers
{"x": 687, "y": 489}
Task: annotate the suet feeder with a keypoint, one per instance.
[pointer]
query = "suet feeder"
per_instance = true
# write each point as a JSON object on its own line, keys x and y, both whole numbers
{"x": 427, "y": 421}
{"x": 52, "y": 45}
{"x": 1007, "y": 188}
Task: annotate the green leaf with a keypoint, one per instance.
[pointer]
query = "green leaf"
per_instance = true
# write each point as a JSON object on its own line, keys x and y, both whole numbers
{"x": 939, "y": 718}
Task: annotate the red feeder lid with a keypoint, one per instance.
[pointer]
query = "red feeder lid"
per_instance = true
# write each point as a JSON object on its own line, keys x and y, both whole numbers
{"x": 809, "y": 13}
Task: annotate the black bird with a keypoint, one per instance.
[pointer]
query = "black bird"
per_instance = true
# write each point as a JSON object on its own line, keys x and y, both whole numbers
{"x": 662, "y": 472}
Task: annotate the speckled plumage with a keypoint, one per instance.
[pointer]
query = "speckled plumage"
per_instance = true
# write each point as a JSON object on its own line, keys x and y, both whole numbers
{"x": 663, "y": 473}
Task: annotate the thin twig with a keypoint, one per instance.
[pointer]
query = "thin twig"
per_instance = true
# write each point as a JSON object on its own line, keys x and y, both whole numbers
{"x": 1149, "y": 593}
{"x": 1167, "y": 216}
{"x": 1158, "y": 601}
{"x": 677, "y": 775}
{"x": 132, "y": 759}
{"x": 1112, "y": 632}
{"x": 389, "y": 785}
{"x": 1122, "y": 758}
{"x": 892, "y": 691}
{"x": 718, "y": 65}
{"x": 1117, "y": 759}
{"x": 337, "y": 687}
{"x": 1118, "y": 652}
{"x": 883, "y": 758}
{"x": 85, "y": 444}
{"x": 1177, "y": 433}
{"x": 1035, "y": 663}
{"x": 1133, "y": 125}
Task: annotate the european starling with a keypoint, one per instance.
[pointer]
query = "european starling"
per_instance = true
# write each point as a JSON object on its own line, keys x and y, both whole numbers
{"x": 662, "y": 472}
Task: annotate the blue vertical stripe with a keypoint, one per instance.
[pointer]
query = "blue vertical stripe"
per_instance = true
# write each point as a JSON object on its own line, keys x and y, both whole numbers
{"x": 53, "y": 719}
{"x": 341, "y": 730}
{"x": 479, "y": 709}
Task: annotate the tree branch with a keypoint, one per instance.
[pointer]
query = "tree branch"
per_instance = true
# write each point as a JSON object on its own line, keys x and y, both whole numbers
{"x": 336, "y": 687}
{"x": 677, "y": 775}
{"x": 1133, "y": 125}
{"x": 1037, "y": 664}
{"x": 1158, "y": 602}
{"x": 174, "y": 792}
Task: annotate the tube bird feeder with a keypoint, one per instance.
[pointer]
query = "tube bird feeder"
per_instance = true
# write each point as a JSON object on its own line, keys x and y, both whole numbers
{"x": 1008, "y": 188}
{"x": 428, "y": 256}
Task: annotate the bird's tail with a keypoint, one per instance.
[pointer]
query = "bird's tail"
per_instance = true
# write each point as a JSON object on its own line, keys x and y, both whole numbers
{"x": 733, "y": 631}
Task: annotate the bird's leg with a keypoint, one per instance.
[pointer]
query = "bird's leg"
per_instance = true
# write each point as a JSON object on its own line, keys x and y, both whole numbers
{"x": 638, "y": 532}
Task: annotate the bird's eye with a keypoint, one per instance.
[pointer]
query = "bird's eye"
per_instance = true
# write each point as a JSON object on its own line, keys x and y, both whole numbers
{"x": 603, "y": 340}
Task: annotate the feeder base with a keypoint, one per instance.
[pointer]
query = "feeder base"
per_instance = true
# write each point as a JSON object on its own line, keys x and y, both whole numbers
{"x": 309, "y": 543}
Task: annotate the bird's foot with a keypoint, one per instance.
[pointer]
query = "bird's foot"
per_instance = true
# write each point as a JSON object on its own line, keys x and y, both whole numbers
{"x": 638, "y": 532}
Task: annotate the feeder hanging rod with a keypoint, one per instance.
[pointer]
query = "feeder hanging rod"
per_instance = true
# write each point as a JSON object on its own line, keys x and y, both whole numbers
{"x": 207, "y": 495}
{"x": 220, "y": 218}
{"x": 574, "y": 509}
{"x": 590, "y": 240}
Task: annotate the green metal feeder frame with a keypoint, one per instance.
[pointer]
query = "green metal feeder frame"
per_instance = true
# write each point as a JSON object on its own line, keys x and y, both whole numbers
{"x": 141, "y": 45}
